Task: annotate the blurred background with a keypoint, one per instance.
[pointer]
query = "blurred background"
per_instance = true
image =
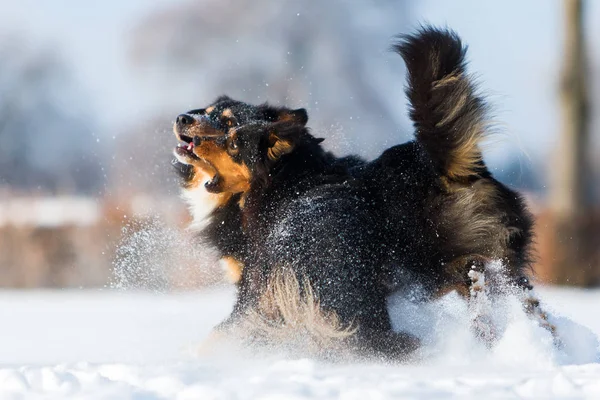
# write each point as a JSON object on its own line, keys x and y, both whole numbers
{"x": 89, "y": 90}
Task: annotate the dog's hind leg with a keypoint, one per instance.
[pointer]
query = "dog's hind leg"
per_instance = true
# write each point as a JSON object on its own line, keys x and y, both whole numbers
{"x": 488, "y": 281}
{"x": 480, "y": 303}
{"x": 531, "y": 304}
{"x": 468, "y": 276}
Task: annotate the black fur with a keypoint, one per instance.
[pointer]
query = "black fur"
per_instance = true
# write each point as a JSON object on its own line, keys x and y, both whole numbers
{"x": 428, "y": 209}
{"x": 307, "y": 215}
{"x": 224, "y": 231}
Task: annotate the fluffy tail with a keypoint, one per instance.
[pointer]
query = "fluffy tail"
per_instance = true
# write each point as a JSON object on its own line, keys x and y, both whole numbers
{"x": 448, "y": 114}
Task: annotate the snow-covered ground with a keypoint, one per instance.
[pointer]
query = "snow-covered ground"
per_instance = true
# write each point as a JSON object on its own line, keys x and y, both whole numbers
{"x": 136, "y": 345}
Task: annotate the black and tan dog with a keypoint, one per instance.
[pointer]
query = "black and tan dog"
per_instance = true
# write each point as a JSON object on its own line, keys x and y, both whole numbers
{"x": 427, "y": 209}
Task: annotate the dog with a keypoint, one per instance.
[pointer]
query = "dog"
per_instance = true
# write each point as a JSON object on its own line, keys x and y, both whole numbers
{"x": 441, "y": 215}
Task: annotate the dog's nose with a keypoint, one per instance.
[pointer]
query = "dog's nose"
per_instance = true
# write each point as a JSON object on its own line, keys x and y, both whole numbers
{"x": 184, "y": 119}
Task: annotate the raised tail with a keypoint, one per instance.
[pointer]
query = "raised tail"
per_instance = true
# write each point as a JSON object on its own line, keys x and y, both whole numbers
{"x": 449, "y": 116}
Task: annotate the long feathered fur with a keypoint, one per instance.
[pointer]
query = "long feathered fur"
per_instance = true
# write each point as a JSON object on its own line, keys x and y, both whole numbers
{"x": 449, "y": 116}
{"x": 288, "y": 317}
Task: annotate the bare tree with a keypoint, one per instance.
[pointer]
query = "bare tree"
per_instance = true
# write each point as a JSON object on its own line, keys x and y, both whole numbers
{"x": 570, "y": 196}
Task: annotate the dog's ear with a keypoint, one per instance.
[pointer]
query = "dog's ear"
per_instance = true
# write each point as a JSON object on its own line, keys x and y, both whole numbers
{"x": 278, "y": 146}
{"x": 282, "y": 139}
{"x": 283, "y": 114}
{"x": 298, "y": 116}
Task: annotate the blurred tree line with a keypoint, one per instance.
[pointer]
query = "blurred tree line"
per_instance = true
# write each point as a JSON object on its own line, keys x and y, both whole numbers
{"x": 321, "y": 55}
{"x": 47, "y": 140}
{"x": 330, "y": 57}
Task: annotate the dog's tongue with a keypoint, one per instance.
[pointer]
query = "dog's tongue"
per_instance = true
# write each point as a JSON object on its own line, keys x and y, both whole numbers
{"x": 188, "y": 146}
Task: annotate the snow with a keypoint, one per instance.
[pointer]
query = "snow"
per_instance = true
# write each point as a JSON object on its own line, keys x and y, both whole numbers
{"x": 84, "y": 344}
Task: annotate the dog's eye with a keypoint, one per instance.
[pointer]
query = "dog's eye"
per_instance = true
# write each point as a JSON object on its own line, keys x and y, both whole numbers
{"x": 232, "y": 146}
{"x": 230, "y": 122}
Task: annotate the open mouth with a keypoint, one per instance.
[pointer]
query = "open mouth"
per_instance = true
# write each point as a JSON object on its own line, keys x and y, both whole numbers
{"x": 185, "y": 138}
{"x": 185, "y": 151}
{"x": 186, "y": 148}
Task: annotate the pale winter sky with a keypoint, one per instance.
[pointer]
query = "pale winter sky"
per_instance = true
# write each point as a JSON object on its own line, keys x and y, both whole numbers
{"x": 514, "y": 46}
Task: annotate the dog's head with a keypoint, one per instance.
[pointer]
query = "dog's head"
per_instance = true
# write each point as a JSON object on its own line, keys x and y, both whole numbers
{"x": 247, "y": 154}
{"x": 213, "y": 123}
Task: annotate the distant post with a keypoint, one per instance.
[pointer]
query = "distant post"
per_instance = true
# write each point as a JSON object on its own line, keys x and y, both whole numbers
{"x": 568, "y": 198}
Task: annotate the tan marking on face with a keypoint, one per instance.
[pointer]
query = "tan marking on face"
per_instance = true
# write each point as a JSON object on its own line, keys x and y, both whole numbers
{"x": 209, "y": 109}
{"x": 228, "y": 117}
{"x": 204, "y": 171}
{"x": 233, "y": 268}
{"x": 227, "y": 113}
{"x": 233, "y": 177}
